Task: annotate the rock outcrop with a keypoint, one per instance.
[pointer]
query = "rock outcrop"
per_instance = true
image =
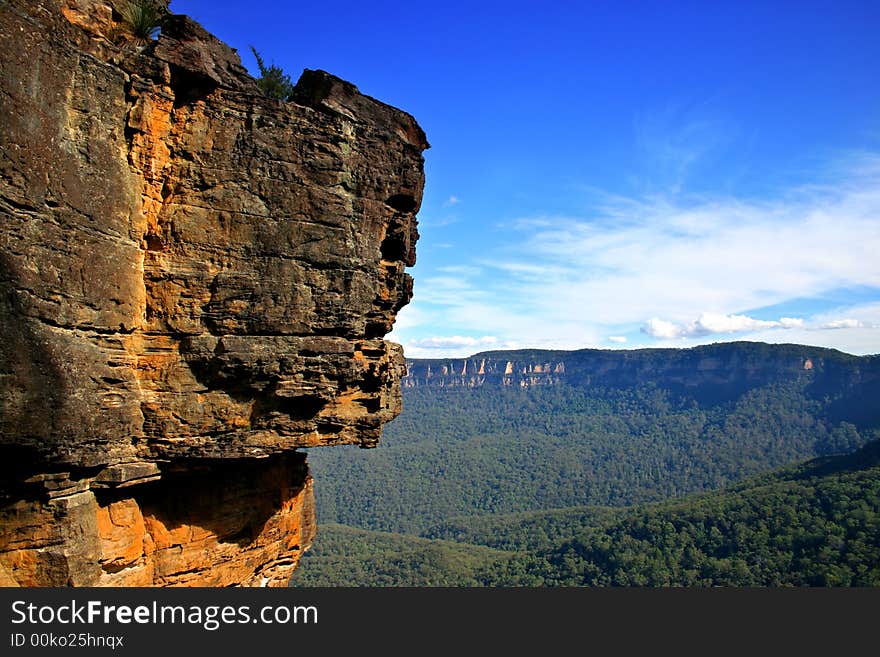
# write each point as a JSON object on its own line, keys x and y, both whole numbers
{"x": 195, "y": 281}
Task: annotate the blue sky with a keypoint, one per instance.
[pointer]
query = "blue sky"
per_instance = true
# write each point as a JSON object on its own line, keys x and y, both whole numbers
{"x": 618, "y": 174}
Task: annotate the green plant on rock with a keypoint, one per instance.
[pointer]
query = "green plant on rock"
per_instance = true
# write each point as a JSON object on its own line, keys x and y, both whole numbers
{"x": 143, "y": 18}
{"x": 273, "y": 81}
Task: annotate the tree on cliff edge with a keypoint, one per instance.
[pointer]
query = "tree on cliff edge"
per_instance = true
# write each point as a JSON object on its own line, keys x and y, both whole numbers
{"x": 143, "y": 18}
{"x": 273, "y": 81}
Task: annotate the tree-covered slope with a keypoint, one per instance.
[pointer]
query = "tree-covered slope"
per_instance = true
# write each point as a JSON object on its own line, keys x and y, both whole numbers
{"x": 815, "y": 524}
{"x": 638, "y": 427}
{"x": 347, "y": 556}
{"x": 561, "y": 464}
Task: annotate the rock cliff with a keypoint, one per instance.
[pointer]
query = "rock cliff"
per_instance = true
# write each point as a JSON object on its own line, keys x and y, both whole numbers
{"x": 710, "y": 373}
{"x": 195, "y": 281}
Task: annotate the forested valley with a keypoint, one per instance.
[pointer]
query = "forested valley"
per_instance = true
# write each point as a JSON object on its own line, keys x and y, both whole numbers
{"x": 621, "y": 481}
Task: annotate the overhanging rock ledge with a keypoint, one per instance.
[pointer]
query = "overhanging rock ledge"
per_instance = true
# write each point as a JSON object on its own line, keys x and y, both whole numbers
{"x": 195, "y": 281}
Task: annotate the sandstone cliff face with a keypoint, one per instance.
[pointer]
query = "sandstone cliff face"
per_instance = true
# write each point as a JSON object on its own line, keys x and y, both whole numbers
{"x": 195, "y": 280}
{"x": 720, "y": 371}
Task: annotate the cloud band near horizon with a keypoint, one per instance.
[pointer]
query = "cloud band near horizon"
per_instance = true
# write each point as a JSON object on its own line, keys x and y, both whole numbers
{"x": 640, "y": 270}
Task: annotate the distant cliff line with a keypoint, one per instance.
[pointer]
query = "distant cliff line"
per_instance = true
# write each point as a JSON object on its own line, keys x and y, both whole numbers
{"x": 732, "y": 364}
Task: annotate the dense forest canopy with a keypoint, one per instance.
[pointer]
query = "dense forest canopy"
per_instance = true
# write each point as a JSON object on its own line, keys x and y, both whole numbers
{"x": 817, "y": 524}
{"x": 538, "y": 466}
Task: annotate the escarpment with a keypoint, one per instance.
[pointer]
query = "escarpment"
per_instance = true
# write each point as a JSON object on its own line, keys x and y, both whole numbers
{"x": 715, "y": 372}
{"x": 195, "y": 281}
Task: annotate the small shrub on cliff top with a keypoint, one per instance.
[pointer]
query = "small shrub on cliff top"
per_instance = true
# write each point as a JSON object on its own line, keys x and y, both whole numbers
{"x": 273, "y": 81}
{"x": 143, "y": 18}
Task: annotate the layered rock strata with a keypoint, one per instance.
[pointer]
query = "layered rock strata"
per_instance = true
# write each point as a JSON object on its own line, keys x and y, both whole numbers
{"x": 195, "y": 281}
{"x": 732, "y": 366}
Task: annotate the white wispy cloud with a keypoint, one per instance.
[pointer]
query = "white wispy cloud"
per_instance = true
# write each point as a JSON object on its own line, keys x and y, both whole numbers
{"x": 856, "y": 336}
{"x": 619, "y": 339}
{"x": 712, "y": 257}
{"x": 680, "y": 268}
{"x": 453, "y": 341}
{"x": 674, "y": 139}
{"x": 658, "y": 328}
{"x": 844, "y": 324}
{"x": 465, "y": 270}
{"x": 454, "y": 345}
{"x": 714, "y": 324}
{"x": 452, "y": 200}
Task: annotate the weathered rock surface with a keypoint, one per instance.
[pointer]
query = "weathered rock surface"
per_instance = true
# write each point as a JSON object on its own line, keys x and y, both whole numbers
{"x": 207, "y": 523}
{"x": 192, "y": 275}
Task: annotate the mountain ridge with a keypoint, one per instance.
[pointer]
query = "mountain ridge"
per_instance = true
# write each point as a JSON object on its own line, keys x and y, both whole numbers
{"x": 720, "y": 371}
{"x": 620, "y": 429}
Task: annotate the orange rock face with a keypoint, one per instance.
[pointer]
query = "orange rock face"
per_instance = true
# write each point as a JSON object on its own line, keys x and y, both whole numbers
{"x": 213, "y": 524}
{"x": 195, "y": 282}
